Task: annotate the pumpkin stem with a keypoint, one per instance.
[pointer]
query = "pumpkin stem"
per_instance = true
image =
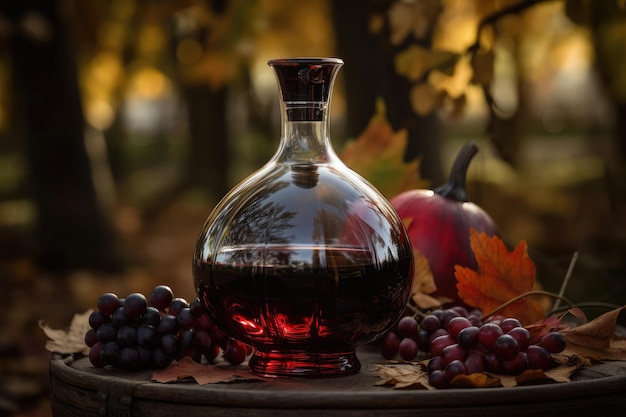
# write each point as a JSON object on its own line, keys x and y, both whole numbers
{"x": 455, "y": 188}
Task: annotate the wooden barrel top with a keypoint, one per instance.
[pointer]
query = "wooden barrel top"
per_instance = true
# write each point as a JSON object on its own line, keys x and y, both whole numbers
{"x": 79, "y": 389}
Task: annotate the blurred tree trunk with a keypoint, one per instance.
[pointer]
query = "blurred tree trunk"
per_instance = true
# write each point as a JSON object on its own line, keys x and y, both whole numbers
{"x": 71, "y": 230}
{"x": 370, "y": 73}
{"x": 209, "y": 156}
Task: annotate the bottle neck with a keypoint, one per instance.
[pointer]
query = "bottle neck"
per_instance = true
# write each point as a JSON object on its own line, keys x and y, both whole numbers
{"x": 304, "y": 134}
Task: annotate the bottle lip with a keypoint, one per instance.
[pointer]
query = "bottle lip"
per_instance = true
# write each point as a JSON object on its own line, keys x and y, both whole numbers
{"x": 305, "y": 60}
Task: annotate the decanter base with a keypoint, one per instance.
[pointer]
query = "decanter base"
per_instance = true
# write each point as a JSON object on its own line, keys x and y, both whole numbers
{"x": 305, "y": 364}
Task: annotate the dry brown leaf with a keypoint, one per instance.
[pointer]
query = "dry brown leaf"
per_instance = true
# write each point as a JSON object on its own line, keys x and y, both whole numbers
{"x": 597, "y": 339}
{"x": 70, "y": 341}
{"x": 203, "y": 374}
{"x": 403, "y": 376}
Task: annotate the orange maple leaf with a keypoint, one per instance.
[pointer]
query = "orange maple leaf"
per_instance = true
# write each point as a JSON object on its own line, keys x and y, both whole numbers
{"x": 501, "y": 276}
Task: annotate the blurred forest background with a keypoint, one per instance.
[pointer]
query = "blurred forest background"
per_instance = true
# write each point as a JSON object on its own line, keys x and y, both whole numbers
{"x": 123, "y": 122}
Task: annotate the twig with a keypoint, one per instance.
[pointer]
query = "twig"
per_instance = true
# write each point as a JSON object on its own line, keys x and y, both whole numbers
{"x": 568, "y": 275}
{"x": 524, "y": 295}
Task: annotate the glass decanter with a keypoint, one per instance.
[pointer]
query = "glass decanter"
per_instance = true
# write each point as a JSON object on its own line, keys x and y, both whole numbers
{"x": 304, "y": 260}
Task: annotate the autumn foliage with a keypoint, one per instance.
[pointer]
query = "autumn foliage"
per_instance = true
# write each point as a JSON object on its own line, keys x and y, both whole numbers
{"x": 500, "y": 277}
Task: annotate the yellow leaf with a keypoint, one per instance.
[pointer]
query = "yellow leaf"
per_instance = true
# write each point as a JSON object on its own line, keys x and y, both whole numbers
{"x": 378, "y": 155}
{"x": 425, "y": 98}
{"x": 415, "y": 61}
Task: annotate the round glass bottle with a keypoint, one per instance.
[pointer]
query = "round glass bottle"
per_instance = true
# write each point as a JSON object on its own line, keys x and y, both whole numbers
{"x": 304, "y": 260}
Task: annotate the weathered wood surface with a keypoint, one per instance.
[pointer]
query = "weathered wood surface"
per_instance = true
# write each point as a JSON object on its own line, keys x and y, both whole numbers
{"x": 78, "y": 389}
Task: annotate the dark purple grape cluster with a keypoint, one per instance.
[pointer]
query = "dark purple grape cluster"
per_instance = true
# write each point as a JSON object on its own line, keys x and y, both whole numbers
{"x": 139, "y": 332}
{"x": 457, "y": 342}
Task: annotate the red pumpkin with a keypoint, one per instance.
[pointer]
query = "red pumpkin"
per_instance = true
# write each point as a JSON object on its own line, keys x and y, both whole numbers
{"x": 439, "y": 221}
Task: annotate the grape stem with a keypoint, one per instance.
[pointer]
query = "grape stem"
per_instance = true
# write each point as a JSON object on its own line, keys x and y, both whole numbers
{"x": 526, "y": 294}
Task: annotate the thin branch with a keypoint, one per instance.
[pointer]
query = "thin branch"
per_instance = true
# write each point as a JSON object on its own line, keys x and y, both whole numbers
{"x": 494, "y": 17}
{"x": 565, "y": 283}
{"x": 524, "y": 295}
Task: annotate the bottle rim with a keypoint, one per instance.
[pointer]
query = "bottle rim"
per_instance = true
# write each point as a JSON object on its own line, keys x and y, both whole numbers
{"x": 305, "y": 60}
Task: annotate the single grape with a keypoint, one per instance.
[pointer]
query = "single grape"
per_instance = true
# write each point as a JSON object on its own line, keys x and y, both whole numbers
{"x": 453, "y": 369}
{"x": 127, "y": 336}
{"x": 441, "y": 342}
{"x": 456, "y": 324}
{"x": 177, "y": 305}
{"x": 407, "y": 349}
{"x": 407, "y": 327}
{"x": 203, "y": 339}
{"x": 109, "y": 354}
{"x": 539, "y": 358}
{"x": 91, "y": 337}
{"x": 475, "y": 320}
{"x": 389, "y": 345}
{"x": 437, "y": 333}
{"x": 161, "y": 297}
{"x": 451, "y": 353}
{"x": 94, "y": 355}
{"x": 97, "y": 319}
{"x": 475, "y": 362}
{"x": 492, "y": 363}
{"x": 468, "y": 337}
{"x": 488, "y": 333}
{"x": 437, "y": 313}
{"x": 235, "y": 352}
{"x": 119, "y": 318}
{"x": 204, "y": 322}
{"x": 196, "y": 308}
{"x": 423, "y": 341}
{"x": 145, "y": 357}
{"x": 506, "y": 347}
{"x": 129, "y": 358}
{"x": 167, "y": 325}
{"x": 516, "y": 365}
{"x": 185, "y": 318}
{"x": 509, "y": 323}
{"x": 106, "y": 333}
{"x": 446, "y": 316}
{"x": 169, "y": 344}
{"x": 152, "y": 316}
{"x": 554, "y": 342}
{"x": 430, "y": 323}
{"x": 437, "y": 379}
{"x": 108, "y": 303}
{"x": 135, "y": 305}
{"x": 522, "y": 336}
{"x": 147, "y": 336}
{"x": 160, "y": 359}
{"x": 435, "y": 364}
{"x": 460, "y": 311}
{"x": 187, "y": 338}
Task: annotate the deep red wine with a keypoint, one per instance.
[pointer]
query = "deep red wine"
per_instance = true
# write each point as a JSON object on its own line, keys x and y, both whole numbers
{"x": 306, "y": 299}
